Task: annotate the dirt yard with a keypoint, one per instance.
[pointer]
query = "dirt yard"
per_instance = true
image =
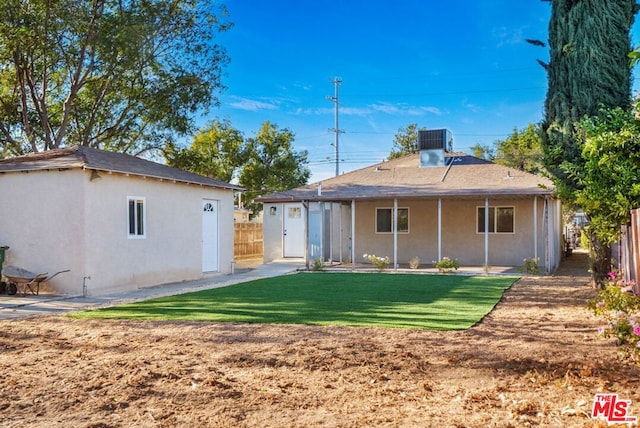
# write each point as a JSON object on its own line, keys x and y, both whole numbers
{"x": 534, "y": 361}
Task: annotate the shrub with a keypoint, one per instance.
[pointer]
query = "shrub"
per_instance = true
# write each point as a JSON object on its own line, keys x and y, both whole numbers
{"x": 414, "y": 263}
{"x": 618, "y": 306}
{"x": 530, "y": 266}
{"x": 380, "y": 262}
{"x": 317, "y": 265}
{"x": 447, "y": 265}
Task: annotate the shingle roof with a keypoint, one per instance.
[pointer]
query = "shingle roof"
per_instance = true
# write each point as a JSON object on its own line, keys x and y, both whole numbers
{"x": 465, "y": 176}
{"x": 100, "y": 160}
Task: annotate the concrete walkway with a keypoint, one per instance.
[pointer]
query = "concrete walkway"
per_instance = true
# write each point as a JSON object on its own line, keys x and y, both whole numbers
{"x": 12, "y": 307}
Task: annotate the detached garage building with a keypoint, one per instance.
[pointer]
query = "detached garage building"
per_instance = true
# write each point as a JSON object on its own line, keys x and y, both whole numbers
{"x": 118, "y": 222}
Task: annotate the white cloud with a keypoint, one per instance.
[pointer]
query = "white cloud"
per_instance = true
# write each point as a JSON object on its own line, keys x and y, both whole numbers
{"x": 405, "y": 109}
{"x": 401, "y": 109}
{"x": 253, "y": 105}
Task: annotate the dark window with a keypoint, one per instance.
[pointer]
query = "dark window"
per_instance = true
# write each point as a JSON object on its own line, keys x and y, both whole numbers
{"x": 136, "y": 217}
{"x": 384, "y": 220}
{"x": 500, "y": 220}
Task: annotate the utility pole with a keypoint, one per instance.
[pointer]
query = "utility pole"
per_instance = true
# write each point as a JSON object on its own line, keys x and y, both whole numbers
{"x": 336, "y": 82}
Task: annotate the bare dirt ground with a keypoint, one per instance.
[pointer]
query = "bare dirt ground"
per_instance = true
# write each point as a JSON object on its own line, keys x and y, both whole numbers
{"x": 534, "y": 361}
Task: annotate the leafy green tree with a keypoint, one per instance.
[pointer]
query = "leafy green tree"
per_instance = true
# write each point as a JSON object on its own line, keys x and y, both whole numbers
{"x": 122, "y": 76}
{"x": 405, "y": 142}
{"x": 609, "y": 178}
{"x": 217, "y": 151}
{"x": 271, "y": 164}
{"x": 483, "y": 152}
{"x": 521, "y": 150}
{"x": 588, "y": 68}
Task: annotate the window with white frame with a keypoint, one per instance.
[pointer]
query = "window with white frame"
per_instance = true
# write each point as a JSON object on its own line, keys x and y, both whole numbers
{"x": 137, "y": 214}
{"x": 501, "y": 220}
{"x": 384, "y": 220}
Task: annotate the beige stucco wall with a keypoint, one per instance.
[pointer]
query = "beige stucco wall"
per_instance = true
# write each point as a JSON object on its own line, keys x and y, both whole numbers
{"x": 61, "y": 220}
{"x": 459, "y": 237}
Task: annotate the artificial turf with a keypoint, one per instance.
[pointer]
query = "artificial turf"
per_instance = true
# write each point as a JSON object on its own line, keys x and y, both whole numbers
{"x": 438, "y": 302}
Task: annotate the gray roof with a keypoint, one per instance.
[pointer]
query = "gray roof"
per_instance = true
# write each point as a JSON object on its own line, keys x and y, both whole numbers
{"x": 464, "y": 176}
{"x": 100, "y": 160}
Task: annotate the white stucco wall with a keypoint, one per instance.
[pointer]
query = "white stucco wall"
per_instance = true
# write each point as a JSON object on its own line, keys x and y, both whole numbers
{"x": 66, "y": 221}
{"x": 42, "y": 221}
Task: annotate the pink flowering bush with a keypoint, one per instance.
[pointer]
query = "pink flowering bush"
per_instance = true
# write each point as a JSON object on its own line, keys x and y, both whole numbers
{"x": 618, "y": 306}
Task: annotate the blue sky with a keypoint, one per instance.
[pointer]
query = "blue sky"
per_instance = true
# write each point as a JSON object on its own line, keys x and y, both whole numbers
{"x": 458, "y": 64}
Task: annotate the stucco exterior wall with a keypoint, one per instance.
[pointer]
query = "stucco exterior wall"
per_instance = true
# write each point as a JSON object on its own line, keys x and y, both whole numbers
{"x": 56, "y": 220}
{"x": 172, "y": 247}
{"x": 459, "y": 237}
{"x": 337, "y": 231}
{"x": 459, "y": 232}
{"x": 42, "y": 221}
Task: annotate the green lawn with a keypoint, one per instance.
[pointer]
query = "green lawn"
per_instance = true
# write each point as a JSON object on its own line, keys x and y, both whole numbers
{"x": 439, "y": 302}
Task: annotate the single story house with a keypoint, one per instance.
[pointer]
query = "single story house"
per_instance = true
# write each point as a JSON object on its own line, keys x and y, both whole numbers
{"x": 118, "y": 222}
{"x": 444, "y": 205}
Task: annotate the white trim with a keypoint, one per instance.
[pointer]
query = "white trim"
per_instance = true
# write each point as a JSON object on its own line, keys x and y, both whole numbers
{"x": 353, "y": 232}
{"x": 392, "y": 222}
{"x": 395, "y": 232}
{"x": 136, "y": 200}
{"x": 535, "y": 227}
{"x": 495, "y": 219}
{"x": 486, "y": 232}
{"x": 439, "y": 228}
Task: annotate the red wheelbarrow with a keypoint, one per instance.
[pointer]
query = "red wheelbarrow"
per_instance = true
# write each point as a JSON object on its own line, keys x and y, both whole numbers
{"x": 21, "y": 280}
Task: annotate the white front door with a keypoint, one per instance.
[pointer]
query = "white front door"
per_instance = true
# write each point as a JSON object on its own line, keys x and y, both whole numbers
{"x": 293, "y": 230}
{"x": 210, "y": 241}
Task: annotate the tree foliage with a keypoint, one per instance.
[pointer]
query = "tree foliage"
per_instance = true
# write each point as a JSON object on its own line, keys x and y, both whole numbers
{"x": 588, "y": 69}
{"x": 262, "y": 164}
{"x": 609, "y": 178}
{"x": 109, "y": 74}
{"x": 483, "y": 152}
{"x": 521, "y": 150}
{"x": 271, "y": 163}
{"x": 405, "y": 142}
{"x": 217, "y": 151}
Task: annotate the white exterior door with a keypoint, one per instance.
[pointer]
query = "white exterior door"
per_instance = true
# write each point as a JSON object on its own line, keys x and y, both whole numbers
{"x": 293, "y": 230}
{"x": 210, "y": 238}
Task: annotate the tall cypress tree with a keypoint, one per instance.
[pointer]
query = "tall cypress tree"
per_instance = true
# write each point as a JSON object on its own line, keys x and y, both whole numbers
{"x": 588, "y": 70}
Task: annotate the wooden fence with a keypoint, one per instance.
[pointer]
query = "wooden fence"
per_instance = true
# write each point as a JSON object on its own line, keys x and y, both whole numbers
{"x": 247, "y": 241}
